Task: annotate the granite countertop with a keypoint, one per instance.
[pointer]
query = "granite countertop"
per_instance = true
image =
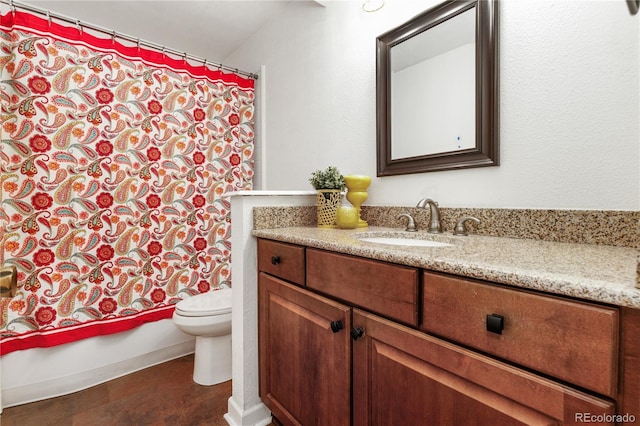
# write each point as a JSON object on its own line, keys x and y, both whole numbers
{"x": 587, "y": 271}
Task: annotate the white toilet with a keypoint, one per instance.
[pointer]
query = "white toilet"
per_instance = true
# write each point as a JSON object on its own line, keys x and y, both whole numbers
{"x": 208, "y": 317}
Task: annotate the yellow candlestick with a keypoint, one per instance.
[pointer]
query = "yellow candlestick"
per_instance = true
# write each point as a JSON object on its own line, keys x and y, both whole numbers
{"x": 357, "y": 193}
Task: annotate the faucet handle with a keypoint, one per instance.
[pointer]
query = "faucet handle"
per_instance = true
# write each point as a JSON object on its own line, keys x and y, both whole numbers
{"x": 411, "y": 223}
{"x": 461, "y": 226}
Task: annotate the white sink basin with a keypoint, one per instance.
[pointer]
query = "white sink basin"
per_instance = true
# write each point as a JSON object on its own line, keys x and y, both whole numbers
{"x": 396, "y": 241}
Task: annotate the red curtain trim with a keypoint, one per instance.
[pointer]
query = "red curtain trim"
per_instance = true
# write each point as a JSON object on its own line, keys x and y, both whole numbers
{"x": 34, "y": 24}
{"x": 61, "y": 336}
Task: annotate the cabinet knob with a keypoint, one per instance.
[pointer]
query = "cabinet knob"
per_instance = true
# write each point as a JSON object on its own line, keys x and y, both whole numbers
{"x": 275, "y": 260}
{"x": 495, "y": 323}
{"x": 357, "y": 333}
{"x": 336, "y": 326}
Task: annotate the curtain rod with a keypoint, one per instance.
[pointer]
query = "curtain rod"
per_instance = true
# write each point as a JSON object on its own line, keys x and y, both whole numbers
{"x": 114, "y": 34}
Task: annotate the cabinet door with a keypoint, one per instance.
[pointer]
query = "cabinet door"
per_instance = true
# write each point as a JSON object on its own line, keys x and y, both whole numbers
{"x": 305, "y": 355}
{"x": 403, "y": 377}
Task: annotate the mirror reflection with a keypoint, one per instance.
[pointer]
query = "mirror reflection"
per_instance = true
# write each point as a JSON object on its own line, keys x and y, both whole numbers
{"x": 433, "y": 89}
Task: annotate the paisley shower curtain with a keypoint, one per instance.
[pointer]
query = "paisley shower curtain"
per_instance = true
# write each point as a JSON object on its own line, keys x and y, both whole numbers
{"x": 115, "y": 162}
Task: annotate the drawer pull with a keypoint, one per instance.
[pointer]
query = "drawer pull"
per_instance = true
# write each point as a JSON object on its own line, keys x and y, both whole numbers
{"x": 495, "y": 323}
{"x": 275, "y": 260}
{"x": 336, "y": 326}
{"x": 357, "y": 333}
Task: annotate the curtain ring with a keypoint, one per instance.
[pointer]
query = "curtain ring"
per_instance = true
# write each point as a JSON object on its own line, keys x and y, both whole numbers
{"x": 163, "y": 49}
{"x": 13, "y": 9}
{"x": 79, "y": 25}
{"x": 138, "y": 44}
{"x": 184, "y": 58}
{"x": 49, "y": 18}
{"x": 113, "y": 37}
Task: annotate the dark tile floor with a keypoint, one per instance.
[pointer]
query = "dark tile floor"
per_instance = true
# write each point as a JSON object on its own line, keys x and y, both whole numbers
{"x": 161, "y": 395}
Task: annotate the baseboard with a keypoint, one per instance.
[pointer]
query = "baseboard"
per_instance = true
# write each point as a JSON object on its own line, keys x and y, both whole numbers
{"x": 62, "y": 386}
{"x": 258, "y": 415}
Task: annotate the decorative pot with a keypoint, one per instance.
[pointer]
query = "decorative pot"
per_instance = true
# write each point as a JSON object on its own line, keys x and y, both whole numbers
{"x": 328, "y": 202}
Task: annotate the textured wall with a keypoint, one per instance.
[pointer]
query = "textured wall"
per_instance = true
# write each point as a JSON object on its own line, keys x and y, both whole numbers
{"x": 569, "y": 104}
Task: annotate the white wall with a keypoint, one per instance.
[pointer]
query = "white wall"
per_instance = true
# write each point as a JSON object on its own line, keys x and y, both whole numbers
{"x": 569, "y": 105}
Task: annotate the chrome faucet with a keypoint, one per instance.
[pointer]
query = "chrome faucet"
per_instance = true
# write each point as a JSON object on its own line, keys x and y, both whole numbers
{"x": 435, "y": 227}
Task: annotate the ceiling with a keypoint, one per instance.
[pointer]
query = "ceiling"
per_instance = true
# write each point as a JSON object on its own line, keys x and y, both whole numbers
{"x": 206, "y": 29}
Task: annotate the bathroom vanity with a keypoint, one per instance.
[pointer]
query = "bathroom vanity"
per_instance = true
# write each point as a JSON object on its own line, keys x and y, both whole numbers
{"x": 484, "y": 331}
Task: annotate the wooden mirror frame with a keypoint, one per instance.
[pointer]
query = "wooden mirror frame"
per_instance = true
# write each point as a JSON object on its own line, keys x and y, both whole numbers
{"x": 486, "y": 151}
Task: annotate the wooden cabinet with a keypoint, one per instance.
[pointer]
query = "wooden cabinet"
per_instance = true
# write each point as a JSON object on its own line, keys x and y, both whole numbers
{"x": 412, "y": 347}
{"x": 305, "y": 355}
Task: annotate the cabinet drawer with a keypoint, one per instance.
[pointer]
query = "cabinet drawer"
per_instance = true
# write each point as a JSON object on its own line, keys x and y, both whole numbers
{"x": 572, "y": 341}
{"x": 282, "y": 260}
{"x": 387, "y": 289}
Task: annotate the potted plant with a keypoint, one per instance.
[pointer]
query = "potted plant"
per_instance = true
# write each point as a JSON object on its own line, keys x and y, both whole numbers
{"x": 329, "y": 184}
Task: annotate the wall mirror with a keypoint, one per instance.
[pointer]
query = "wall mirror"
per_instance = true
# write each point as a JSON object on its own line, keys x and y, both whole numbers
{"x": 437, "y": 90}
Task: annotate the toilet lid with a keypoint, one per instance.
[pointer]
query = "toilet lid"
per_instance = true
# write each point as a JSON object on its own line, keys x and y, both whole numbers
{"x": 216, "y": 302}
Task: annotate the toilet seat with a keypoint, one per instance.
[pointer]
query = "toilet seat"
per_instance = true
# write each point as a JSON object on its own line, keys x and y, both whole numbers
{"x": 216, "y": 302}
